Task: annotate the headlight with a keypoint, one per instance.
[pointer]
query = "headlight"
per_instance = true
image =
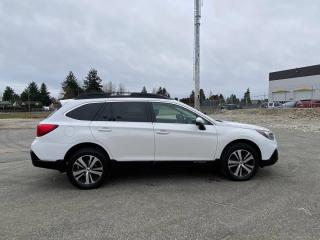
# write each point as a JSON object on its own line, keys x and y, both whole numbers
{"x": 266, "y": 133}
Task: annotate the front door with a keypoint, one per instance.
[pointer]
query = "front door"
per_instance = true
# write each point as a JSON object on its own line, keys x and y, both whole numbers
{"x": 178, "y": 138}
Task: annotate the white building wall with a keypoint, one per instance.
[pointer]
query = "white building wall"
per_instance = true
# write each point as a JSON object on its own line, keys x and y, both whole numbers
{"x": 291, "y": 88}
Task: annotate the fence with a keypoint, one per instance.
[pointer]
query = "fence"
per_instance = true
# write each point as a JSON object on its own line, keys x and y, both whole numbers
{"x": 212, "y": 106}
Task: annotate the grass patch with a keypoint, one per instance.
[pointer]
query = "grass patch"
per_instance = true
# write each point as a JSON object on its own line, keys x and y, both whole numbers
{"x": 24, "y": 115}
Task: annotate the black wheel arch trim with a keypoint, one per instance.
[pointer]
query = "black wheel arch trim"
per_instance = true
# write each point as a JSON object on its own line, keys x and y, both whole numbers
{"x": 251, "y": 143}
{"x": 80, "y": 146}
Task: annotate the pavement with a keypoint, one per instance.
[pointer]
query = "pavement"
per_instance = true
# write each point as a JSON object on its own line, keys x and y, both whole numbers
{"x": 163, "y": 201}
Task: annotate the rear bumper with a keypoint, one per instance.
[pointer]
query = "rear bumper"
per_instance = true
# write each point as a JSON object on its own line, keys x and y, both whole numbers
{"x": 272, "y": 160}
{"x": 56, "y": 165}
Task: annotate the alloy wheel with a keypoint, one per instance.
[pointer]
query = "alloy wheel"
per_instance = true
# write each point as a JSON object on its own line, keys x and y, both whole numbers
{"x": 241, "y": 163}
{"x": 87, "y": 170}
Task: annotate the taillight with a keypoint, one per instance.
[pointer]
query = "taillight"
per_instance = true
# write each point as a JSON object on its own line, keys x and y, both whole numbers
{"x": 43, "y": 129}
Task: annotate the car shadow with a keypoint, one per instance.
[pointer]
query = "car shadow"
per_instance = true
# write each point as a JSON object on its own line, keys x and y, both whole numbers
{"x": 155, "y": 171}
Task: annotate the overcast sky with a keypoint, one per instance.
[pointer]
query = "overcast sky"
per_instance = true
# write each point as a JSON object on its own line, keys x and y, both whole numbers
{"x": 150, "y": 42}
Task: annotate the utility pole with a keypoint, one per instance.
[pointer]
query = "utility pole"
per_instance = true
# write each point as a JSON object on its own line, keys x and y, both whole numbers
{"x": 196, "y": 71}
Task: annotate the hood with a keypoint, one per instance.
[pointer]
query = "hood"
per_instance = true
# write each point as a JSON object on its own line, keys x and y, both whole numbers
{"x": 240, "y": 125}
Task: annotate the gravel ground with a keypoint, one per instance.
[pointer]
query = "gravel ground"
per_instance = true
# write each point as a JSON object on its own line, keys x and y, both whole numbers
{"x": 163, "y": 201}
{"x": 306, "y": 120}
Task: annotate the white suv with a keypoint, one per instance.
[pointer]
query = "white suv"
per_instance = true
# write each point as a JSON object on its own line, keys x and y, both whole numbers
{"x": 85, "y": 134}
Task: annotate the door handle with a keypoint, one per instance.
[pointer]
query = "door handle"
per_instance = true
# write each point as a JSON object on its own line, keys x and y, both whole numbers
{"x": 162, "y": 132}
{"x": 104, "y": 130}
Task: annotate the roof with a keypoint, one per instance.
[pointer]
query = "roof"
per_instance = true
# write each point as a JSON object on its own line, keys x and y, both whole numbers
{"x": 295, "y": 73}
{"x": 76, "y": 102}
{"x": 126, "y": 95}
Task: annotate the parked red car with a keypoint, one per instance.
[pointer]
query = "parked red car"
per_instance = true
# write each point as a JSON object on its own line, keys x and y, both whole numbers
{"x": 308, "y": 103}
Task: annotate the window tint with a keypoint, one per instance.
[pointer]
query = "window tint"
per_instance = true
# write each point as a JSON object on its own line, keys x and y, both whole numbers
{"x": 85, "y": 112}
{"x": 105, "y": 113}
{"x": 169, "y": 113}
{"x": 130, "y": 112}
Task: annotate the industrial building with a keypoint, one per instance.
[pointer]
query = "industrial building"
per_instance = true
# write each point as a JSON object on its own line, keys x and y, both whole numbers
{"x": 295, "y": 84}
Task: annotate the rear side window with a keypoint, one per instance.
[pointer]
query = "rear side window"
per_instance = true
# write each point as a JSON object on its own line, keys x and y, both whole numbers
{"x": 85, "y": 112}
{"x": 105, "y": 113}
{"x": 130, "y": 112}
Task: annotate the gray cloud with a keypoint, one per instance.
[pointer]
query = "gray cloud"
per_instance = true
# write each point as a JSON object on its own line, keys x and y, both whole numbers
{"x": 150, "y": 43}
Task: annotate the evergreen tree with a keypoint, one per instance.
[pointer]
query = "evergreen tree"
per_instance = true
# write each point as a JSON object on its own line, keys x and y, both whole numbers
{"x": 8, "y": 94}
{"x": 202, "y": 96}
{"x": 44, "y": 95}
{"x": 233, "y": 99}
{"x": 144, "y": 90}
{"x": 70, "y": 86}
{"x": 246, "y": 98}
{"x": 31, "y": 93}
{"x": 92, "y": 83}
{"x": 221, "y": 98}
{"x": 192, "y": 97}
{"x": 163, "y": 92}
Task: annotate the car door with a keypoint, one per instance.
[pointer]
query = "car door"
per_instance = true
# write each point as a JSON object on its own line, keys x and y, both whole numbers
{"x": 125, "y": 130}
{"x": 178, "y": 138}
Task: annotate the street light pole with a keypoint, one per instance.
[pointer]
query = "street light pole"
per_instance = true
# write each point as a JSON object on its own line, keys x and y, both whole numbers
{"x": 196, "y": 71}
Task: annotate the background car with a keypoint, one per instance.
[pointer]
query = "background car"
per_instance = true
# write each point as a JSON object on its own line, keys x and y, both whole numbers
{"x": 230, "y": 106}
{"x": 274, "y": 105}
{"x": 308, "y": 103}
{"x": 290, "y": 104}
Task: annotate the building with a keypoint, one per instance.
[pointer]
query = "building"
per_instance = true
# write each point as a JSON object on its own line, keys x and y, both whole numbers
{"x": 295, "y": 84}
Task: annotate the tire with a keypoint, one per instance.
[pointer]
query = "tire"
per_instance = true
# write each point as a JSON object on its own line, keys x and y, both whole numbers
{"x": 240, "y": 162}
{"x": 88, "y": 168}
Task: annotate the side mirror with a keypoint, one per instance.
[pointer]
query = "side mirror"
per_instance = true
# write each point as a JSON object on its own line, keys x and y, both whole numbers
{"x": 200, "y": 123}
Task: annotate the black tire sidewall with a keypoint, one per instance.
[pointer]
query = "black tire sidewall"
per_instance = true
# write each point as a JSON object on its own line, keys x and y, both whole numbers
{"x": 88, "y": 151}
{"x": 224, "y": 161}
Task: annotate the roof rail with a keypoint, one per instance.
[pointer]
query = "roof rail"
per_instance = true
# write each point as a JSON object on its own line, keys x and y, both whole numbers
{"x": 145, "y": 95}
{"x": 123, "y": 95}
{"x": 92, "y": 95}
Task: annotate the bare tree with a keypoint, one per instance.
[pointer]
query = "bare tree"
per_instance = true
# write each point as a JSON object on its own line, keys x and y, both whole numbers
{"x": 109, "y": 88}
{"x": 121, "y": 89}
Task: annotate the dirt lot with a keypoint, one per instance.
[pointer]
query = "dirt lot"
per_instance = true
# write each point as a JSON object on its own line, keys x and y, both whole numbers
{"x": 306, "y": 120}
{"x": 167, "y": 201}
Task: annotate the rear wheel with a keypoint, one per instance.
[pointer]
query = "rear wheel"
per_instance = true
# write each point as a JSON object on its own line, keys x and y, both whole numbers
{"x": 240, "y": 162}
{"x": 87, "y": 168}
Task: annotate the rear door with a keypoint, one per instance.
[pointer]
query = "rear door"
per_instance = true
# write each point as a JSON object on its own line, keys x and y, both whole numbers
{"x": 126, "y": 131}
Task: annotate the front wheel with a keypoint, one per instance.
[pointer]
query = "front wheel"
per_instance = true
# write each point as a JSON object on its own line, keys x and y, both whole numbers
{"x": 240, "y": 162}
{"x": 87, "y": 168}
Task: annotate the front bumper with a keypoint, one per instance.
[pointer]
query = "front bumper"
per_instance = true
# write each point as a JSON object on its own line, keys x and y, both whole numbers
{"x": 56, "y": 165}
{"x": 272, "y": 160}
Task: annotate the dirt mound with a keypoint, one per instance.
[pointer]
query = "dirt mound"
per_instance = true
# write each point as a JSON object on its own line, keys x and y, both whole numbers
{"x": 299, "y": 119}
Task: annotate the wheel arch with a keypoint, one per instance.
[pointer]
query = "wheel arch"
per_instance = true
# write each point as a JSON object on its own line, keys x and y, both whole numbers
{"x": 79, "y": 146}
{"x": 249, "y": 142}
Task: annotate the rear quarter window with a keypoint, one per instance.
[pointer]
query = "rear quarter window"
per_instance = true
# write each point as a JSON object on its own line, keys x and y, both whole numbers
{"x": 85, "y": 112}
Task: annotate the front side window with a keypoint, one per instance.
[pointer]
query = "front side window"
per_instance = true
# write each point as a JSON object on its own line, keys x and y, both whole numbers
{"x": 85, "y": 112}
{"x": 130, "y": 112}
{"x": 169, "y": 113}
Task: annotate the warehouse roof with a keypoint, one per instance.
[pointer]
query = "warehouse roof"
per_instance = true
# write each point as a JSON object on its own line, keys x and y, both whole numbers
{"x": 295, "y": 72}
